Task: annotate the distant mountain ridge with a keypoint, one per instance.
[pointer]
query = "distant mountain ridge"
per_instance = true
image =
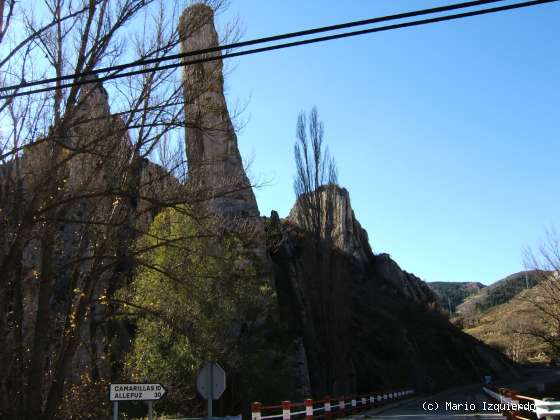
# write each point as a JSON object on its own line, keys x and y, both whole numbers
{"x": 452, "y": 294}
{"x": 496, "y": 326}
{"x": 465, "y": 299}
{"x": 490, "y": 313}
{"x": 498, "y": 293}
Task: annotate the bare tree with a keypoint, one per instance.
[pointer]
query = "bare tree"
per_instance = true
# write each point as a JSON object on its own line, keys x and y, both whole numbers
{"x": 516, "y": 347}
{"x": 76, "y": 185}
{"x": 316, "y": 190}
{"x": 545, "y": 261}
{"x": 6, "y": 14}
{"x": 315, "y": 172}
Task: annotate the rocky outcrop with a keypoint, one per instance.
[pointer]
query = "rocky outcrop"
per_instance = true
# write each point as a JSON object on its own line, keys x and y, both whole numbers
{"x": 365, "y": 323}
{"x": 346, "y": 320}
{"x": 408, "y": 284}
{"x": 339, "y": 223}
{"x": 341, "y": 228}
{"x": 100, "y": 197}
{"x": 217, "y": 181}
{"x": 216, "y": 172}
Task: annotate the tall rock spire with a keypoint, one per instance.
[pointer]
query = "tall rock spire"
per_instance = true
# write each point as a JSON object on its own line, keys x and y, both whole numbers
{"x": 215, "y": 167}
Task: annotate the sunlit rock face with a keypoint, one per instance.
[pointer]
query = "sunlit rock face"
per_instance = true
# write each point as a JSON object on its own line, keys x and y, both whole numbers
{"x": 339, "y": 224}
{"x": 340, "y": 227}
{"x": 216, "y": 172}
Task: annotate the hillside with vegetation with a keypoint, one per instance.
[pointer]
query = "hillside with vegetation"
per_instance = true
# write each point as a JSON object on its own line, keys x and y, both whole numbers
{"x": 497, "y": 293}
{"x": 452, "y": 294}
{"x": 516, "y": 315}
{"x": 510, "y": 327}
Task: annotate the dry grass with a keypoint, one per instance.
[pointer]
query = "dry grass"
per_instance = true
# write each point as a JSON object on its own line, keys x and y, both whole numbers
{"x": 505, "y": 327}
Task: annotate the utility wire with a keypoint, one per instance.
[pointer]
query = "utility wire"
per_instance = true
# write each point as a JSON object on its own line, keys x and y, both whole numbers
{"x": 256, "y": 41}
{"x": 287, "y": 45}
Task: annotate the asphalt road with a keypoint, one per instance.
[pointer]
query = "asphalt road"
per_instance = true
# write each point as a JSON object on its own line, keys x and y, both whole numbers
{"x": 462, "y": 403}
{"x": 467, "y": 402}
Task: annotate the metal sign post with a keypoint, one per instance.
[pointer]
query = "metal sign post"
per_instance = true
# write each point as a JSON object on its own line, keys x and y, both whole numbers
{"x": 115, "y": 410}
{"x": 211, "y": 381}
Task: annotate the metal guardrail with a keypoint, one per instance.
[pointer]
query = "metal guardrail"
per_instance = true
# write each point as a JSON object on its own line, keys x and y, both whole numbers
{"x": 517, "y": 406}
{"x": 327, "y": 407}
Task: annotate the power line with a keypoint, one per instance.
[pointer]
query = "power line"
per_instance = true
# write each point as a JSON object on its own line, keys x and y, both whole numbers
{"x": 256, "y": 41}
{"x": 281, "y": 46}
{"x": 288, "y": 45}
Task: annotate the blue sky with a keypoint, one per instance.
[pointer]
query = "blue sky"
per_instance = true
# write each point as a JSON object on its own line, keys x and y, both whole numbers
{"x": 447, "y": 136}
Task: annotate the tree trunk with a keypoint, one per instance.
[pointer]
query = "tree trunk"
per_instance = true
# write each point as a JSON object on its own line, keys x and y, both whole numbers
{"x": 34, "y": 391}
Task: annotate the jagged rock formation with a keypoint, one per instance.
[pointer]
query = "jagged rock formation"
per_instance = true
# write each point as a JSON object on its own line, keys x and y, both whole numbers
{"x": 365, "y": 323}
{"x": 217, "y": 181}
{"x": 216, "y": 171}
{"x": 346, "y": 320}
{"x": 100, "y": 204}
{"x": 351, "y": 316}
{"x": 346, "y": 233}
{"x": 348, "y": 237}
{"x": 408, "y": 284}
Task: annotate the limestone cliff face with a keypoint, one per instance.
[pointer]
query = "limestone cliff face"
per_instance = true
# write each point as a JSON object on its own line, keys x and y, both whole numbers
{"x": 216, "y": 170}
{"x": 340, "y": 224}
{"x": 98, "y": 152}
{"x": 365, "y": 323}
{"x": 407, "y": 283}
{"x": 349, "y": 321}
{"x": 349, "y": 238}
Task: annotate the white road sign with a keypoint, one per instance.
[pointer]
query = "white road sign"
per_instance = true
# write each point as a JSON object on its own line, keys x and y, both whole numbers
{"x": 211, "y": 381}
{"x": 136, "y": 392}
